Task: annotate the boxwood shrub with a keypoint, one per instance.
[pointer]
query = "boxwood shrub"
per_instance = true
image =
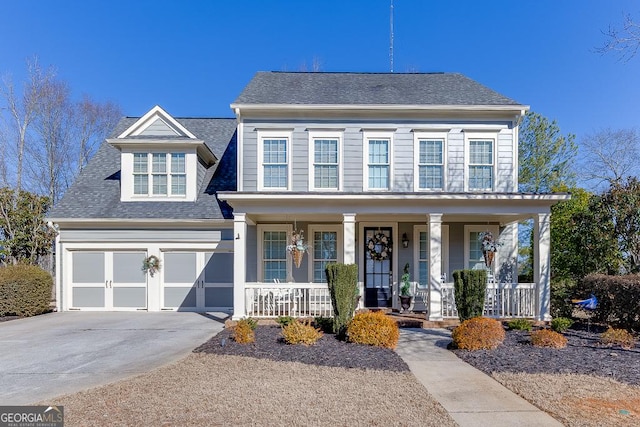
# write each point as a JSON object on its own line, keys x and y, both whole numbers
{"x": 25, "y": 290}
{"x": 618, "y": 299}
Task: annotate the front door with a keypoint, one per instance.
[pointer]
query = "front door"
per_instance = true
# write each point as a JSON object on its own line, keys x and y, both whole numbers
{"x": 378, "y": 250}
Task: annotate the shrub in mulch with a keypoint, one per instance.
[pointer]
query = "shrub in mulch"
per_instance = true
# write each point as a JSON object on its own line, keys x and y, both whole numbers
{"x": 618, "y": 299}
{"x": 478, "y": 333}
{"x": 619, "y": 337}
{"x": 548, "y": 338}
{"x": 243, "y": 332}
{"x": 328, "y": 351}
{"x": 297, "y": 332}
{"x": 373, "y": 328}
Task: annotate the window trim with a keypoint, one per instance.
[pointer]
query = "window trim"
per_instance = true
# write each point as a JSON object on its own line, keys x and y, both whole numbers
{"x": 480, "y": 136}
{"x": 468, "y": 229}
{"x": 313, "y": 135}
{"x": 367, "y": 136}
{"x": 429, "y": 136}
{"x": 261, "y": 228}
{"x": 339, "y": 242}
{"x": 275, "y": 134}
{"x": 444, "y": 247}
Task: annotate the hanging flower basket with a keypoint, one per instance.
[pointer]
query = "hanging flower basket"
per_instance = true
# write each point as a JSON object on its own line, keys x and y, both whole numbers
{"x": 488, "y": 258}
{"x": 297, "y": 248}
{"x": 489, "y": 247}
{"x": 379, "y": 247}
{"x": 151, "y": 264}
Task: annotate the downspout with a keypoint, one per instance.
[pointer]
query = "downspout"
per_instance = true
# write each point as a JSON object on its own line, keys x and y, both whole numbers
{"x": 58, "y": 266}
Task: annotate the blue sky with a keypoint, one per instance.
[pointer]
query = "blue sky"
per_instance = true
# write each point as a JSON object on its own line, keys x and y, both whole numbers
{"x": 193, "y": 58}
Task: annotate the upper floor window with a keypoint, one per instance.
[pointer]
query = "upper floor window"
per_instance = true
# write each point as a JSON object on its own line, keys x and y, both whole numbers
{"x": 159, "y": 174}
{"x": 378, "y": 161}
{"x": 325, "y": 158}
{"x": 274, "y": 154}
{"x": 481, "y": 164}
{"x": 430, "y": 164}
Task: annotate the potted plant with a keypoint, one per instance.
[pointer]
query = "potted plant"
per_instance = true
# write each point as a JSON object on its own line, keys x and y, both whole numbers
{"x": 405, "y": 289}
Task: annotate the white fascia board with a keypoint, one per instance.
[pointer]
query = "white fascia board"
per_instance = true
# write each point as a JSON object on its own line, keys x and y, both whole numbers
{"x": 138, "y": 222}
{"x": 520, "y": 109}
{"x": 145, "y": 120}
{"x": 148, "y": 144}
{"x": 390, "y": 196}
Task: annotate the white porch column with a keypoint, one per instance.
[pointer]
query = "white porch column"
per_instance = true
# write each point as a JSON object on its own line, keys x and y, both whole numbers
{"x": 349, "y": 238}
{"x": 239, "y": 266}
{"x": 435, "y": 270}
{"x": 542, "y": 263}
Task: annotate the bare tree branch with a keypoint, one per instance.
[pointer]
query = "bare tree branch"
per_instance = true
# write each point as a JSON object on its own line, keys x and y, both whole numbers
{"x": 624, "y": 41}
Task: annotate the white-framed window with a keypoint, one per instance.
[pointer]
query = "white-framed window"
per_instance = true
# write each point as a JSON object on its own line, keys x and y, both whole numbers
{"x": 273, "y": 257}
{"x": 421, "y": 254}
{"x": 473, "y": 257}
{"x": 429, "y": 149}
{"x": 481, "y": 163}
{"x": 159, "y": 174}
{"x": 274, "y": 157}
{"x": 326, "y": 241}
{"x": 378, "y": 160}
{"x": 325, "y": 161}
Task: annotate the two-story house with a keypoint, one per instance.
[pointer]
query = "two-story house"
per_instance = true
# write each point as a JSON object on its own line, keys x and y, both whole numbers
{"x": 377, "y": 169}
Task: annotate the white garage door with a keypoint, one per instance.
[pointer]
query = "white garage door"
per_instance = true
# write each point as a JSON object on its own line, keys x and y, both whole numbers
{"x": 108, "y": 280}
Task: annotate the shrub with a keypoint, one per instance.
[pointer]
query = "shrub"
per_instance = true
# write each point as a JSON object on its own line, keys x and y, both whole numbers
{"x": 243, "y": 332}
{"x": 470, "y": 288}
{"x": 373, "y": 328}
{"x": 325, "y": 324}
{"x": 561, "y": 324}
{"x": 618, "y": 337}
{"x": 25, "y": 290}
{"x": 343, "y": 286}
{"x": 562, "y": 291}
{"x": 618, "y": 299}
{"x": 548, "y": 338}
{"x": 284, "y": 320}
{"x": 297, "y": 332}
{"x": 520, "y": 325}
{"x": 253, "y": 323}
{"x": 478, "y": 333}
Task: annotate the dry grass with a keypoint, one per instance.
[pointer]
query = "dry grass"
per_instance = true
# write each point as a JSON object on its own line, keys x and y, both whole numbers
{"x": 215, "y": 390}
{"x": 578, "y": 400}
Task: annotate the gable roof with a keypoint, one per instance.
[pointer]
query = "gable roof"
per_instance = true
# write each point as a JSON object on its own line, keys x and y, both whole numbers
{"x": 95, "y": 193}
{"x": 420, "y": 89}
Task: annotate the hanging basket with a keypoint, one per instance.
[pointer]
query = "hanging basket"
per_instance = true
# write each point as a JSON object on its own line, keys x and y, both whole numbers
{"x": 488, "y": 258}
{"x": 297, "y": 257}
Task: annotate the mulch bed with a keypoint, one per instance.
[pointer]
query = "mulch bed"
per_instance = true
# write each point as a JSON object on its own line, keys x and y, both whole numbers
{"x": 7, "y": 318}
{"x": 583, "y": 355}
{"x": 328, "y": 351}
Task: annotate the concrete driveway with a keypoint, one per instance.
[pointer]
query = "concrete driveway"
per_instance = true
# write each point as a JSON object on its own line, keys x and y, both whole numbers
{"x": 58, "y": 353}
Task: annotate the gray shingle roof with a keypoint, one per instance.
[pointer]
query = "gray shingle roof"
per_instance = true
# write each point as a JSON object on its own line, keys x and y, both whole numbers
{"x": 368, "y": 89}
{"x": 96, "y": 191}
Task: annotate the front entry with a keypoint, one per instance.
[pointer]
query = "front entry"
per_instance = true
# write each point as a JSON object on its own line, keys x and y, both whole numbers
{"x": 378, "y": 274}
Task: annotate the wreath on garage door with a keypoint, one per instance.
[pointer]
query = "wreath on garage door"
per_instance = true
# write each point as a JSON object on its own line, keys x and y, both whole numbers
{"x": 379, "y": 247}
{"x": 151, "y": 264}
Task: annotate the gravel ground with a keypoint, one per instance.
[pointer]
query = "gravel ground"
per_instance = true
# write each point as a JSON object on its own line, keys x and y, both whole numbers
{"x": 266, "y": 384}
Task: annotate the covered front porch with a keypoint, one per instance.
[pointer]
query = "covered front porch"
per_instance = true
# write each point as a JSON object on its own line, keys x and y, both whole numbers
{"x": 433, "y": 234}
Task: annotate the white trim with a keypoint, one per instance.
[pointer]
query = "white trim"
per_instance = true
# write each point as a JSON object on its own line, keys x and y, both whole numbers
{"x": 518, "y": 109}
{"x": 263, "y": 134}
{"x": 382, "y": 135}
{"x": 481, "y": 136}
{"x": 444, "y": 260}
{"x": 494, "y": 229}
{"x": 431, "y": 136}
{"x": 261, "y": 228}
{"x": 240, "y": 153}
{"x": 554, "y": 197}
{"x": 145, "y": 121}
{"x": 317, "y": 134}
{"x": 336, "y": 228}
{"x": 396, "y": 248}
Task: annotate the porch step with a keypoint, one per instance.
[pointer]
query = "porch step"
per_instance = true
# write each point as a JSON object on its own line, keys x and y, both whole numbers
{"x": 418, "y": 320}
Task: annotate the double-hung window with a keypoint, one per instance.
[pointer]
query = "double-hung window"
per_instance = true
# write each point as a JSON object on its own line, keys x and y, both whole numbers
{"x": 378, "y": 162}
{"x": 430, "y": 164}
{"x": 325, "y": 151}
{"x": 324, "y": 249}
{"x": 481, "y": 168}
{"x": 273, "y": 252}
{"x": 274, "y": 154}
{"x": 159, "y": 174}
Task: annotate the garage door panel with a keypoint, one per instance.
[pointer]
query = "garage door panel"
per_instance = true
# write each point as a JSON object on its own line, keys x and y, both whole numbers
{"x": 88, "y": 267}
{"x": 87, "y": 297}
{"x": 218, "y": 268}
{"x": 129, "y": 297}
{"x": 127, "y": 267}
{"x": 180, "y": 267}
{"x": 218, "y": 297}
{"x": 179, "y": 297}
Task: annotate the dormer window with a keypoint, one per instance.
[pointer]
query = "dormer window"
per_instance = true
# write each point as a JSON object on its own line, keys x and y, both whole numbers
{"x": 166, "y": 176}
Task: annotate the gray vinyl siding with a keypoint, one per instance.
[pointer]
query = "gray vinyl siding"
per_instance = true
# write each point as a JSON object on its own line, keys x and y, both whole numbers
{"x": 202, "y": 170}
{"x": 158, "y": 128}
{"x": 148, "y": 235}
{"x": 353, "y": 146}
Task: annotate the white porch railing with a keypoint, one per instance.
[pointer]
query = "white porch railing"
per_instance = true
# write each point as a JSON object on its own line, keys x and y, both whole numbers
{"x": 502, "y": 300}
{"x": 287, "y": 299}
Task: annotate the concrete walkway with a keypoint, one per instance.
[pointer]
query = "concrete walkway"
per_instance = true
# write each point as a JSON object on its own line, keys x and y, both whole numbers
{"x": 58, "y": 353}
{"x": 471, "y": 397}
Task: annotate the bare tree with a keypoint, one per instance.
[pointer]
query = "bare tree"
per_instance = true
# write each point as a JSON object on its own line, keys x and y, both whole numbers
{"x": 94, "y": 121}
{"x": 610, "y": 156}
{"x": 625, "y": 41}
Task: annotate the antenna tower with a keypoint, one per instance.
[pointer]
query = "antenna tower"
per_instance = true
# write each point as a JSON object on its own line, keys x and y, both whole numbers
{"x": 391, "y": 38}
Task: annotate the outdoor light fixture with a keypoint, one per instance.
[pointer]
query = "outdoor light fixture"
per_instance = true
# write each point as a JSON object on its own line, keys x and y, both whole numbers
{"x": 405, "y": 240}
